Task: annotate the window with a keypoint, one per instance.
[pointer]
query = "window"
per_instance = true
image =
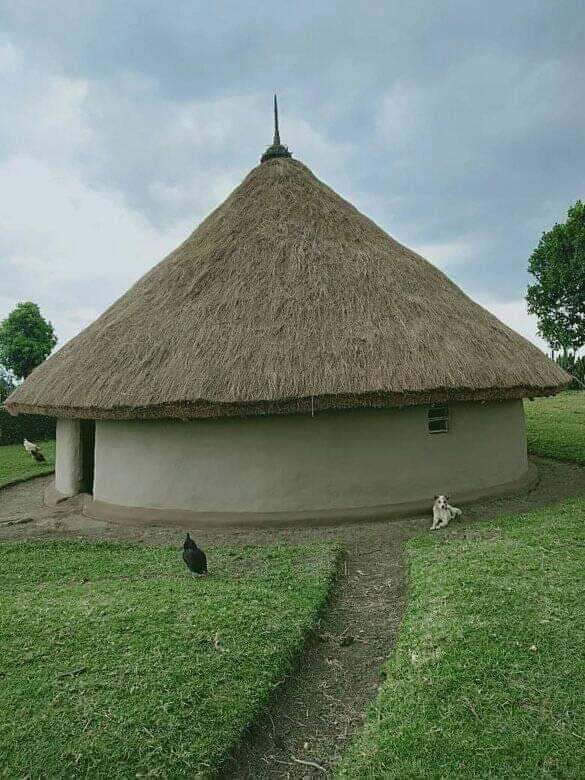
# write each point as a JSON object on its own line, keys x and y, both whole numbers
{"x": 438, "y": 418}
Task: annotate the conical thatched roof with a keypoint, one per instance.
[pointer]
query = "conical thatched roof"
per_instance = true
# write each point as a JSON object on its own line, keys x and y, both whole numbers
{"x": 286, "y": 299}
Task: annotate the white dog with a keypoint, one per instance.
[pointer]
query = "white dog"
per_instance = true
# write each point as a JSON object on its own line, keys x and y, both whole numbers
{"x": 443, "y": 512}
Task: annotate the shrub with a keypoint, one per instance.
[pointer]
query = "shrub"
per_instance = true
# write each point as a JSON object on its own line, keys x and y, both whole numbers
{"x": 576, "y": 367}
{"x": 31, "y": 426}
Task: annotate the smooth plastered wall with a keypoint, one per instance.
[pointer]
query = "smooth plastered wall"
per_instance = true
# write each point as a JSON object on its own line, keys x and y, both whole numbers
{"x": 298, "y": 463}
{"x": 68, "y": 463}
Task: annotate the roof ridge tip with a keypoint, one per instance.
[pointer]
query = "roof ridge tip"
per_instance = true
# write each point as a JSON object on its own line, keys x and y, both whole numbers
{"x": 276, "y": 149}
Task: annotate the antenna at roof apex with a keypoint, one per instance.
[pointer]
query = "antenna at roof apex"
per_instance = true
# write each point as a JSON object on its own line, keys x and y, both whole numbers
{"x": 277, "y": 149}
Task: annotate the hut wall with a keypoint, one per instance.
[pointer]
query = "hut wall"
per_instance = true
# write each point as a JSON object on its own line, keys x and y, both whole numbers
{"x": 298, "y": 463}
{"x": 68, "y": 464}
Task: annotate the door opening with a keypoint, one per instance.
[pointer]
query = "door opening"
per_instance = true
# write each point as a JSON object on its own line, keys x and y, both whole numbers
{"x": 87, "y": 455}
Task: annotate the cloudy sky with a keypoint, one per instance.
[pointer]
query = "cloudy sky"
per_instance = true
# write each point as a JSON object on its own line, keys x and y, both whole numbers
{"x": 458, "y": 126}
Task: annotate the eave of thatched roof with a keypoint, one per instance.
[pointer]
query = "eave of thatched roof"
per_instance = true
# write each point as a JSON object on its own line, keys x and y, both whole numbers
{"x": 285, "y": 299}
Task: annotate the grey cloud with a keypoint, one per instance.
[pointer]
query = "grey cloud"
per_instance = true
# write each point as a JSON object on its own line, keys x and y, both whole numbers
{"x": 455, "y": 125}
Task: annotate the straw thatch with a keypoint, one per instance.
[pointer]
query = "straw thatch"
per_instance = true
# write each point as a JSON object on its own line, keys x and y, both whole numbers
{"x": 286, "y": 299}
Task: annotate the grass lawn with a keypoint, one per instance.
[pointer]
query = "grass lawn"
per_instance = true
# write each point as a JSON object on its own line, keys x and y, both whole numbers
{"x": 556, "y": 426}
{"x": 16, "y": 464}
{"x": 488, "y": 675}
{"x": 115, "y": 663}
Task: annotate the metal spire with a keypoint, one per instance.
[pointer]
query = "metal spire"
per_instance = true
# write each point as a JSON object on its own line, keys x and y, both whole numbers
{"x": 277, "y": 149}
{"x": 276, "y": 141}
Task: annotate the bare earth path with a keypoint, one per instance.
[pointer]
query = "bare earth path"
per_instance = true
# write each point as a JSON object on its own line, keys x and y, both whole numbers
{"x": 314, "y": 712}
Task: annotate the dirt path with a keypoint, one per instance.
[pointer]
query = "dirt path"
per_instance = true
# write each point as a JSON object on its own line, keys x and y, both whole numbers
{"x": 24, "y": 498}
{"x": 316, "y": 711}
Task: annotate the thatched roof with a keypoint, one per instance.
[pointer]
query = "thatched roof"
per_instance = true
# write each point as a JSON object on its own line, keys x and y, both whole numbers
{"x": 286, "y": 299}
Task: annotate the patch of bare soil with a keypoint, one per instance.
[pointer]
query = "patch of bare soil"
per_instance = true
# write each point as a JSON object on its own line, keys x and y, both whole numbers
{"x": 305, "y": 728}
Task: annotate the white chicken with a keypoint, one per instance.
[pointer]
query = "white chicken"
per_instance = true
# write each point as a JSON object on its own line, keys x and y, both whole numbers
{"x": 34, "y": 451}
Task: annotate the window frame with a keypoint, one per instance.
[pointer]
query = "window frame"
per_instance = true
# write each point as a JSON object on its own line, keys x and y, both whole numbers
{"x": 438, "y": 415}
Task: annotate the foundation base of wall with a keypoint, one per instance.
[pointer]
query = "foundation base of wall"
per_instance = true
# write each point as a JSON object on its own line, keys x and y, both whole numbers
{"x": 52, "y": 497}
{"x": 186, "y": 519}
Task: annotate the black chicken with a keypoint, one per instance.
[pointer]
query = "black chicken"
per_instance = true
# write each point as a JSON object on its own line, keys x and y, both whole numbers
{"x": 194, "y": 557}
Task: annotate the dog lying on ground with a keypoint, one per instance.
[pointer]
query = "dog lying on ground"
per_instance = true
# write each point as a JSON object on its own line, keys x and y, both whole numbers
{"x": 443, "y": 512}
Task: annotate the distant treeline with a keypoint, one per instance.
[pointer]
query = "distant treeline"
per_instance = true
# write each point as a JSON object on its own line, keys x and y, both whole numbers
{"x": 576, "y": 367}
{"x": 30, "y": 426}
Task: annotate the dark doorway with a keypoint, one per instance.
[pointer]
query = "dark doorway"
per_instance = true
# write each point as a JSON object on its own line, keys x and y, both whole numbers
{"x": 87, "y": 455}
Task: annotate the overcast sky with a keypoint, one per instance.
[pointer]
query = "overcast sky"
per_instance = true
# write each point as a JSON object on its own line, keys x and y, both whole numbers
{"x": 458, "y": 126}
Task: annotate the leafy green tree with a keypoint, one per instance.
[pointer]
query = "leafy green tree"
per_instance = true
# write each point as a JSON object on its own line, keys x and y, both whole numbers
{"x": 26, "y": 339}
{"x": 558, "y": 297}
{"x": 6, "y": 384}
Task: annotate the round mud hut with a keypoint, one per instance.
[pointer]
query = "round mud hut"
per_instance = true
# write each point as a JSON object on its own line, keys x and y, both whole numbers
{"x": 290, "y": 362}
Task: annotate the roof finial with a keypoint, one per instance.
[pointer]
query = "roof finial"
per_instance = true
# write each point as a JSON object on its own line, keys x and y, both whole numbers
{"x": 277, "y": 149}
{"x": 276, "y": 141}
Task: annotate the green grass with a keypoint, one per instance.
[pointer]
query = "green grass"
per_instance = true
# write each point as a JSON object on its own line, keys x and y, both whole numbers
{"x": 16, "y": 464}
{"x": 488, "y": 675}
{"x": 115, "y": 663}
{"x": 556, "y": 426}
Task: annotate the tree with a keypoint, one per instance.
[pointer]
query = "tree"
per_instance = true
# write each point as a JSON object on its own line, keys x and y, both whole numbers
{"x": 6, "y": 384}
{"x": 558, "y": 297}
{"x": 26, "y": 339}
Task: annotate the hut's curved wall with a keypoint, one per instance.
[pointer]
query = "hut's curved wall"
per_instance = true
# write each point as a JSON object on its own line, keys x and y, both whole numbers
{"x": 296, "y": 464}
{"x": 68, "y": 464}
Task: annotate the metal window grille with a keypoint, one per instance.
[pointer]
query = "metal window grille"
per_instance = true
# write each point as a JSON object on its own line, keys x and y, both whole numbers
{"x": 438, "y": 418}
